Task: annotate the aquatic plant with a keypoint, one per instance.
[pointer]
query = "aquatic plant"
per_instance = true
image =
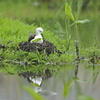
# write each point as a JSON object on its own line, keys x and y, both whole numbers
{"x": 35, "y": 95}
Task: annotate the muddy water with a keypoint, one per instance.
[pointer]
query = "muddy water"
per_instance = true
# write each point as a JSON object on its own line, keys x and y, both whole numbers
{"x": 11, "y": 86}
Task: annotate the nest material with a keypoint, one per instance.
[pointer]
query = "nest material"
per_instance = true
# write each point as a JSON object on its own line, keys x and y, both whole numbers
{"x": 46, "y": 46}
{"x": 1, "y": 46}
{"x": 45, "y": 75}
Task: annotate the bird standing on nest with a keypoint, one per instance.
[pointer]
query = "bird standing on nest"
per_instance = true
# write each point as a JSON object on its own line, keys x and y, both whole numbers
{"x": 36, "y": 38}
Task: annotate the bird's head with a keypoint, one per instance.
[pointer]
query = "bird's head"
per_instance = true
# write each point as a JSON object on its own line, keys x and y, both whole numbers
{"x": 39, "y": 30}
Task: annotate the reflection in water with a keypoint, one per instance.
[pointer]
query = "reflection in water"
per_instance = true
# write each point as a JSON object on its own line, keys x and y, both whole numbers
{"x": 11, "y": 86}
{"x": 36, "y": 80}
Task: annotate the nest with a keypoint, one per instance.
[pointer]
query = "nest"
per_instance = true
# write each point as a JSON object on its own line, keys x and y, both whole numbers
{"x": 46, "y": 46}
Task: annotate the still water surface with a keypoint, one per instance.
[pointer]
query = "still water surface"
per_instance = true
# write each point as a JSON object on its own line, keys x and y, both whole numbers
{"x": 11, "y": 86}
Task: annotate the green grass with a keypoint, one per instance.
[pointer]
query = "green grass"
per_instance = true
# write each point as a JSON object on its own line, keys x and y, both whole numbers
{"x": 13, "y": 32}
{"x": 18, "y": 19}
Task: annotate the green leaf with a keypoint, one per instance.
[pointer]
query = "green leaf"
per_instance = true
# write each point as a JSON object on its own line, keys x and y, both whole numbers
{"x": 36, "y": 40}
{"x": 66, "y": 88}
{"x": 68, "y": 12}
{"x": 58, "y": 28}
{"x": 35, "y": 95}
{"x": 80, "y": 22}
{"x": 77, "y": 79}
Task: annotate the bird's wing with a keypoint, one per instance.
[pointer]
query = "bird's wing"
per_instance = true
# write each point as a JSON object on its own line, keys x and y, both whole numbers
{"x": 31, "y": 36}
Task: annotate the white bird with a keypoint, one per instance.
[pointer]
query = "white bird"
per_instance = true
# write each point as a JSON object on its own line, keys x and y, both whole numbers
{"x": 36, "y": 38}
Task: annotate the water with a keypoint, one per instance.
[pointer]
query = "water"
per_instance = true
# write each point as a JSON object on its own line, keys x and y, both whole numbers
{"x": 11, "y": 86}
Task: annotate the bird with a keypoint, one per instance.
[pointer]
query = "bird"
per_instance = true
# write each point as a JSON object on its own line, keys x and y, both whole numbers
{"x": 36, "y": 38}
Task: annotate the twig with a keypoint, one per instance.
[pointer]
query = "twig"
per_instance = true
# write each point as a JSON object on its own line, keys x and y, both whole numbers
{"x": 78, "y": 58}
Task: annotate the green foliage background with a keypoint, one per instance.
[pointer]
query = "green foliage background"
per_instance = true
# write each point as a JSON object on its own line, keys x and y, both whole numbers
{"x": 20, "y": 17}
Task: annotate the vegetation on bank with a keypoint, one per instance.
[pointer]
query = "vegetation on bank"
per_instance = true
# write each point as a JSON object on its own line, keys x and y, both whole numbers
{"x": 14, "y": 31}
{"x": 79, "y": 42}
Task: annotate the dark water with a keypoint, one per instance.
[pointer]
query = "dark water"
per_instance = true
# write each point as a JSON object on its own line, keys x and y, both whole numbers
{"x": 11, "y": 86}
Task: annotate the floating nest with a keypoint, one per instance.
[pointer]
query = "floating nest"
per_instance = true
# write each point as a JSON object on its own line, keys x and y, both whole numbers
{"x": 46, "y": 47}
